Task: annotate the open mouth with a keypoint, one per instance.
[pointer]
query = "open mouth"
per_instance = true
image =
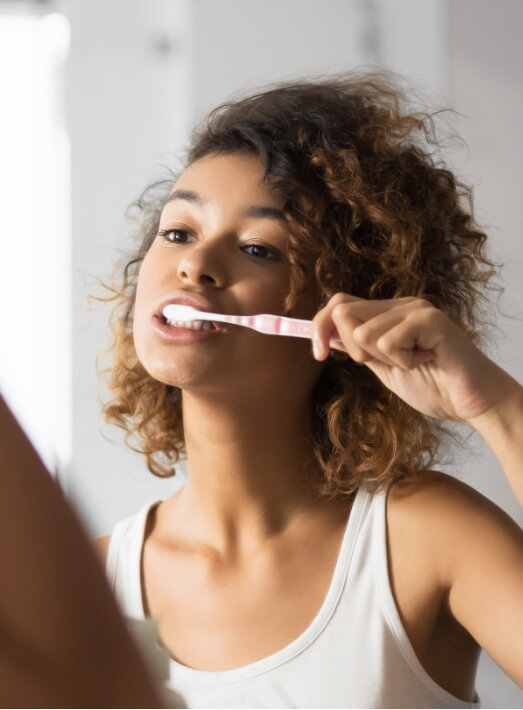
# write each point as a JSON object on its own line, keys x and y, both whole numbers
{"x": 191, "y": 324}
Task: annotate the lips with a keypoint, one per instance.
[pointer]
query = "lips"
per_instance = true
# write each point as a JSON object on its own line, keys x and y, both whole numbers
{"x": 175, "y": 334}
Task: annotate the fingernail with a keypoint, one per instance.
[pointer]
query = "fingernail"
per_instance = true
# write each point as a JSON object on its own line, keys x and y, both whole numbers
{"x": 316, "y": 348}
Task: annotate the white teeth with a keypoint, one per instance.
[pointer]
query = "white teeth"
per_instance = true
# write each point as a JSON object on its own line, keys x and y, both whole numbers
{"x": 192, "y": 324}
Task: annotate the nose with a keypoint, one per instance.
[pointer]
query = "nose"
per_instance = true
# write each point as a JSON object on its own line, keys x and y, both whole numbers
{"x": 202, "y": 265}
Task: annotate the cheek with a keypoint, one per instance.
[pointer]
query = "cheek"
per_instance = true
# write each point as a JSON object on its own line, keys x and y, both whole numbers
{"x": 264, "y": 295}
{"x": 143, "y": 304}
{"x": 145, "y": 275}
{"x": 148, "y": 287}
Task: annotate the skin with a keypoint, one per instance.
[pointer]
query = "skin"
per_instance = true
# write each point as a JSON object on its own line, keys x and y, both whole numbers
{"x": 54, "y": 650}
{"x": 246, "y": 534}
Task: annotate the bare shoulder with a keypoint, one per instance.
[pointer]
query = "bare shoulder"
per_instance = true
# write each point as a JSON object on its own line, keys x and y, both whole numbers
{"x": 473, "y": 549}
{"x": 456, "y": 568}
{"x": 101, "y": 546}
{"x": 437, "y": 498}
{"x": 476, "y": 553}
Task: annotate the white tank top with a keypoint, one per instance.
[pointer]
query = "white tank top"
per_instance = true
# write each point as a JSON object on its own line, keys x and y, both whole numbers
{"x": 354, "y": 654}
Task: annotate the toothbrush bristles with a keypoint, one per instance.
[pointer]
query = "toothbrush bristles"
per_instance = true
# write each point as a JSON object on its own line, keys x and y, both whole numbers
{"x": 175, "y": 311}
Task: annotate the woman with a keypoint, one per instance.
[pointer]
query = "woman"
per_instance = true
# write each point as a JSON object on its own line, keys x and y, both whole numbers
{"x": 314, "y": 558}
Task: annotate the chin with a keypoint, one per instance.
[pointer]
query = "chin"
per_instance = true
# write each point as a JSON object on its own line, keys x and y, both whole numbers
{"x": 181, "y": 371}
{"x": 169, "y": 374}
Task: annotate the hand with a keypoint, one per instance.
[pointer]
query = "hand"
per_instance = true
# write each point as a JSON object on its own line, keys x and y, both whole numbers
{"x": 417, "y": 352}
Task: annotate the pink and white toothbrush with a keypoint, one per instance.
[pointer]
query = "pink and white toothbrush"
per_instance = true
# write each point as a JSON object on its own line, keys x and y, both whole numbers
{"x": 263, "y": 323}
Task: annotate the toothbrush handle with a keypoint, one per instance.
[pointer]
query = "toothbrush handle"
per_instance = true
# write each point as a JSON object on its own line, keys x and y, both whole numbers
{"x": 294, "y": 326}
{"x": 274, "y": 325}
{"x": 264, "y": 323}
{"x": 300, "y": 328}
{"x": 278, "y": 325}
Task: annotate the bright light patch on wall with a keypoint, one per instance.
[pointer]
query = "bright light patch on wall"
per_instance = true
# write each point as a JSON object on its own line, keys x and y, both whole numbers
{"x": 35, "y": 232}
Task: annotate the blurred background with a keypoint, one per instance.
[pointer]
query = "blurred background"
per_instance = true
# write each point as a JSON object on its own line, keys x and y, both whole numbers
{"x": 97, "y": 97}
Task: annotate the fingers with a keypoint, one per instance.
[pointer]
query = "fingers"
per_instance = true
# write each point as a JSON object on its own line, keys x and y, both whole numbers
{"x": 396, "y": 341}
{"x": 324, "y": 329}
{"x": 394, "y": 332}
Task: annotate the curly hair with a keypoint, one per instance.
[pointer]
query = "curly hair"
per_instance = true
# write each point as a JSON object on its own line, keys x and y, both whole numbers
{"x": 369, "y": 201}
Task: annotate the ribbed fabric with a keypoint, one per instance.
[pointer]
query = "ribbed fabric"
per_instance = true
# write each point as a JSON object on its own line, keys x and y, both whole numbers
{"x": 354, "y": 654}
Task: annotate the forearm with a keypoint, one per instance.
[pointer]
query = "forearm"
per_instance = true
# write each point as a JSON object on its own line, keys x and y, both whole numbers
{"x": 502, "y": 429}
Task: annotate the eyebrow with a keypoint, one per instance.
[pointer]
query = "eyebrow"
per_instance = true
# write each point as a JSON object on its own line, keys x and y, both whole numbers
{"x": 254, "y": 211}
{"x": 187, "y": 195}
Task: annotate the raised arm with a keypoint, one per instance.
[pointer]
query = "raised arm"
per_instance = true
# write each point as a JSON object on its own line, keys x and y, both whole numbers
{"x": 502, "y": 428}
{"x": 63, "y": 642}
{"x": 428, "y": 361}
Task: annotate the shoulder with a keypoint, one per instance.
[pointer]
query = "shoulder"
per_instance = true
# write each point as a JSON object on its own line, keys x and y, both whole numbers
{"x": 474, "y": 552}
{"x": 431, "y": 485}
{"x": 450, "y": 544}
{"x": 436, "y": 498}
{"x": 101, "y": 547}
{"x": 461, "y": 529}
{"x": 134, "y": 527}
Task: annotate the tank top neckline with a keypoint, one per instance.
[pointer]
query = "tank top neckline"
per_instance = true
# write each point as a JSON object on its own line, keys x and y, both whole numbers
{"x": 306, "y": 638}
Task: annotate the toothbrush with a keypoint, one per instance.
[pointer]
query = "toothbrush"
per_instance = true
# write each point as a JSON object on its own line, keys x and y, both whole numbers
{"x": 263, "y": 323}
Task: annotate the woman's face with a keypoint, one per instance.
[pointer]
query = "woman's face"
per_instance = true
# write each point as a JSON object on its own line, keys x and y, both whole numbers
{"x": 221, "y": 247}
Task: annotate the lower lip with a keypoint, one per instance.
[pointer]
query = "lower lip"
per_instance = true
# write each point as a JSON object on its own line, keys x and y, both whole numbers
{"x": 174, "y": 334}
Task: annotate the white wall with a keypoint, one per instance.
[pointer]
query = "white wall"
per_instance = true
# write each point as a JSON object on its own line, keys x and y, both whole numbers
{"x": 239, "y": 44}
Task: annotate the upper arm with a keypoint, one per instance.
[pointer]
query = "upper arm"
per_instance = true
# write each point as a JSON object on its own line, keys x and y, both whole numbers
{"x": 101, "y": 547}
{"x": 486, "y": 580}
{"x": 478, "y": 550}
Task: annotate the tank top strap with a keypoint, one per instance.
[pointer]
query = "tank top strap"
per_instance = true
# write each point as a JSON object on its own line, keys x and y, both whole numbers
{"x": 123, "y": 562}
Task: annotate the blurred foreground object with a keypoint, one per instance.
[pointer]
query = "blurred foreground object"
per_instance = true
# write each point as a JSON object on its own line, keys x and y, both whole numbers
{"x": 63, "y": 642}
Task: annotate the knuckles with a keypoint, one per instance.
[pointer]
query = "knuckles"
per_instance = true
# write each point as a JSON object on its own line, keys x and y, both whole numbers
{"x": 385, "y": 344}
{"x": 423, "y": 304}
{"x": 340, "y": 310}
{"x": 344, "y": 307}
{"x": 340, "y": 297}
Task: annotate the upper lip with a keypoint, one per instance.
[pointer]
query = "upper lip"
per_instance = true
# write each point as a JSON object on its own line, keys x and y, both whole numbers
{"x": 187, "y": 299}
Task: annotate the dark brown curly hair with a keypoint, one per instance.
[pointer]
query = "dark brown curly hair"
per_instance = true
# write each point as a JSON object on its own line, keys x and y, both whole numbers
{"x": 368, "y": 200}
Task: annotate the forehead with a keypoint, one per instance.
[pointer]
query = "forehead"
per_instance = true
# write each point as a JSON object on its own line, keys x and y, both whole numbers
{"x": 232, "y": 178}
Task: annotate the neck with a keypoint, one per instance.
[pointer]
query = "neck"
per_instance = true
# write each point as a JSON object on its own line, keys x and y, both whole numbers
{"x": 248, "y": 466}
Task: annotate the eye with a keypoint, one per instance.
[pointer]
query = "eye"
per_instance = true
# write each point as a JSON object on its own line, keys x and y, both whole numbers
{"x": 261, "y": 252}
{"x": 175, "y": 236}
